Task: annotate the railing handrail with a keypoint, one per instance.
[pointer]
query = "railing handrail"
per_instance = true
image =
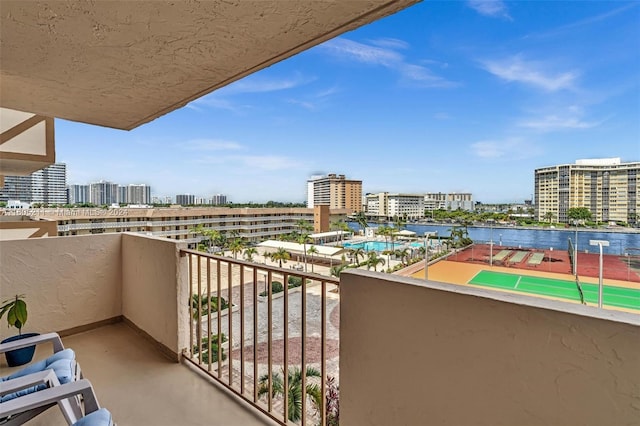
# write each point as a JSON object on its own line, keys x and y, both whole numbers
{"x": 264, "y": 266}
{"x": 207, "y": 273}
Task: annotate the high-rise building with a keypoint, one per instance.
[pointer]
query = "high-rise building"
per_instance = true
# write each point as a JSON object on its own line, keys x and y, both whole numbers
{"x": 122, "y": 195}
{"x": 605, "y": 186}
{"x": 46, "y": 186}
{"x": 103, "y": 192}
{"x": 138, "y": 194}
{"x": 78, "y": 194}
{"x": 218, "y": 199}
{"x": 334, "y": 191}
{"x": 185, "y": 199}
{"x": 16, "y": 188}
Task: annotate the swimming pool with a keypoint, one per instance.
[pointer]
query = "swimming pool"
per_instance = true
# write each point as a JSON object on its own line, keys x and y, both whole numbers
{"x": 378, "y": 245}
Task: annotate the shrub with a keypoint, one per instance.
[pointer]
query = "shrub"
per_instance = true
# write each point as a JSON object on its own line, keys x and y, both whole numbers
{"x": 296, "y": 281}
{"x": 332, "y": 402}
{"x": 213, "y": 301}
{"x": 214, "y": 348}
{"x": 276, "y": 287}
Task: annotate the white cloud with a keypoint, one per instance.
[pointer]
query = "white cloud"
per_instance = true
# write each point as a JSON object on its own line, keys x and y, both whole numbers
{"x": 531, "y": 73}
{"x": 391, "y": 43}
{"x": 582, "y": 23}
{"x": 259, "y": 84}
{"x": 362, "y": 52}
{"x": 492, "y": 8}
{"x": 567, "y": 118}
{"x": 252, "y": 84}
{"x": 387, "y": 57}
{"x": 555, "y": 122}
{"x": 212, "y": 145}
{"x": 441, "y": 116}
{"x": 508, "y": 149}
{"x": 316, "y": 100}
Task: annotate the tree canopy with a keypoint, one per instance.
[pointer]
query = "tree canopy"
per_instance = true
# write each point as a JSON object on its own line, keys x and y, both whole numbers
{"x": 579, "y": 213}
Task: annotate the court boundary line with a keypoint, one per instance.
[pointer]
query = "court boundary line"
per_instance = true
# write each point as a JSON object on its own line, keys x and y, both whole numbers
{"x": 518, "y": 282}
{"x": 550, "y": 283}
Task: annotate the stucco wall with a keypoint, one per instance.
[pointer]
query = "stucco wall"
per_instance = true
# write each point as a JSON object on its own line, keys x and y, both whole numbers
{"x": 152, "y": 289}
{"x": 412, "y": 354}
{"x": 67, "y": 281}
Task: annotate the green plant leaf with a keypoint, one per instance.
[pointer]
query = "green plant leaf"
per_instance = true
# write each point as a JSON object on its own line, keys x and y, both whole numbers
{"x": 21, "y": 312}
{"x": 11, "y": 316}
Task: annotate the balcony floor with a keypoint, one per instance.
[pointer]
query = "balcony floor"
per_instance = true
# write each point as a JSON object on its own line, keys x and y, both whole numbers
{"x": 141, "y": 387}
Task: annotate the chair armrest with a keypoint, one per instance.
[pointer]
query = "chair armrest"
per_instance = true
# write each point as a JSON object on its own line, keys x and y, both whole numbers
{"x": 46, "y": 377}
{"x": 51, "y": 395}
{"x": 54, "y": 338}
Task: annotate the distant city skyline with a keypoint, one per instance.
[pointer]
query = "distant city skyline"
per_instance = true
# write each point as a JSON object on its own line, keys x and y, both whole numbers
{"x": 443, "y": 96}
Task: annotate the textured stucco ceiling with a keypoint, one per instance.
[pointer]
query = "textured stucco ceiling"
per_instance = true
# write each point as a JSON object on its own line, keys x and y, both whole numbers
{"x": 121, "y": 64}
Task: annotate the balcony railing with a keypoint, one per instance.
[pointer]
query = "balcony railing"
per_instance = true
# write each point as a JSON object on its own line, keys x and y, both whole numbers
{"x": 263, "y": 339}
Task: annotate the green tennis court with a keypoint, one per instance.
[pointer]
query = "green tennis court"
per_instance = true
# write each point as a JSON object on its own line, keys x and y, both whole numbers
{"x": 613, "y": 296}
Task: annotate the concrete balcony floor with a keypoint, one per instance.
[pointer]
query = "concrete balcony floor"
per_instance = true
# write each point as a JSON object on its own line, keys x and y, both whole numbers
{"x": 141, "y": 387}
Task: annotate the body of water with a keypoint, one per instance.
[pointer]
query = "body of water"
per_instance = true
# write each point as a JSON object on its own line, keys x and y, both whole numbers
{"x": 619, "y": 242}
{"x": 378, "y": 245}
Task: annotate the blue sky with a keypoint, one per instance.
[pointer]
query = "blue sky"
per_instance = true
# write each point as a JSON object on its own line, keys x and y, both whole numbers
{"x": 443, "y": 96}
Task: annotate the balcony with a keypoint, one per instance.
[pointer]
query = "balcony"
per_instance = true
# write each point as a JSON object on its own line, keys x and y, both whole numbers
{"x": 141, "y": 387}
{"x": 409, "y": 350}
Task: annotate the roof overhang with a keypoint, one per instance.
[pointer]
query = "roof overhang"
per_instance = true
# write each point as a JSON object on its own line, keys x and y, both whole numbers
{"x": 123, "y": 63}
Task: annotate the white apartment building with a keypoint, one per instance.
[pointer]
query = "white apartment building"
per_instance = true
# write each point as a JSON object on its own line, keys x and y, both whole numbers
{"x": 448, "y": 201}
{"x": 606, "y": 186}
{"x": 138, "y": 194}
{"x": 103, "y": 192}
{"x": 46, "y": 186}
{"x": 386, "y": 205}
{"x": 78, "y": 194}
{"x": 218, "y": 199}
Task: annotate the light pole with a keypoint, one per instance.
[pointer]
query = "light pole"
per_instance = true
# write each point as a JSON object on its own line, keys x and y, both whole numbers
{"x": 599, "y": 243}
{"x": 500, "y": 244}
{"x": 491, "y": 246}
{"x": 426, "y": 253}
{"x": 575, "y": 252}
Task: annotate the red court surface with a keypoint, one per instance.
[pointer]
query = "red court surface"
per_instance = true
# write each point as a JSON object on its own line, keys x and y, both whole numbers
{"x": 616, "y": 267}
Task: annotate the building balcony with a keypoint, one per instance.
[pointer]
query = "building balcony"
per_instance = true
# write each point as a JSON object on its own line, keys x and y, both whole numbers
{"x": 402, "y": 350}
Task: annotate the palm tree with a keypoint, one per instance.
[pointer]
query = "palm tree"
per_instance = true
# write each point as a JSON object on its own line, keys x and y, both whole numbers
{"x": 403, "y": 254}
{"x": 294, "y": 390}
{"x": 304, "y": 239}
{"x": 335, "y": 271}
{"x": 303, "y": 226}
{"x": 281, "y": 255}
{"x": 361, "y": 219}
{"x": 236, "y": 246}
{"x": 359, "y": 252}
{"x": 548, "y": 216}
{"x": 312, "y": 250}
{"x": 374, "y": 260}
{"x": 208, "y": 234}
{"x": 385, "y": 231}
{"x": 339, "y": 225}
{"x": 398, "y": 225}
{"x": 249, "y": 253}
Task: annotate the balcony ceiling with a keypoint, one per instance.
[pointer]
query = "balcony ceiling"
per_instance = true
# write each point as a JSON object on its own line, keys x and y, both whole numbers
{"x": 122, "y": 64}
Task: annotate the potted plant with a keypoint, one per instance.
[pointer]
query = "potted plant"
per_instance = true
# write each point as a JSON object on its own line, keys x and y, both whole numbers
{"x": 16, "y": 310}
